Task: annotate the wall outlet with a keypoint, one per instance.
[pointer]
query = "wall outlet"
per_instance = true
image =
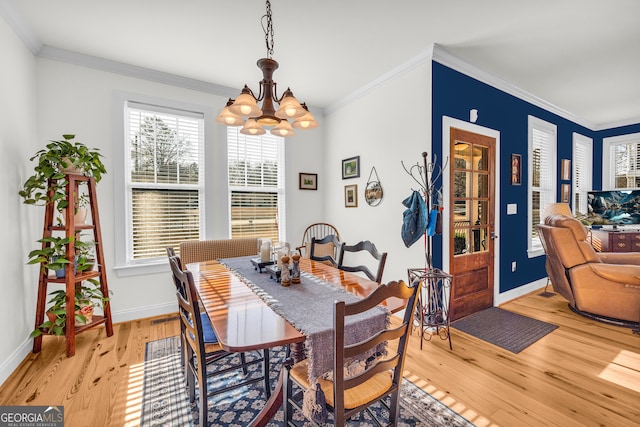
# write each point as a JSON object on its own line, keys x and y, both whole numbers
{"x": 513, "y": 266}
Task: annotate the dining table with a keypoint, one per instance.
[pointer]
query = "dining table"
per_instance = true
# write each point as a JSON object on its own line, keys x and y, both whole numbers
{"x": 244, "y": 320}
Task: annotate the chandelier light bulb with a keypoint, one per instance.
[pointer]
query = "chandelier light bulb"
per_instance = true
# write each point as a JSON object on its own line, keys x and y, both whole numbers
{"x": 251, "y": 127}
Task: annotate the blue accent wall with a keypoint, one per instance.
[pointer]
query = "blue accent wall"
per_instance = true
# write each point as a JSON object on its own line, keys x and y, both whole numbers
{"x": 454, "y": 94}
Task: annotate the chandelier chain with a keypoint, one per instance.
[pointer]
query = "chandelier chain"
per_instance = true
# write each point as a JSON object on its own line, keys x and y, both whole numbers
{"x": 268, "y": 30}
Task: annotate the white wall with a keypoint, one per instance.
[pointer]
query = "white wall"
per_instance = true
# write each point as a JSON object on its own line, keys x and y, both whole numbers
{"x": 20, "y": 224}
{"x": 387, "y": 125}
{"x": 75, "y": 99}
{"x": 79, "y": 100}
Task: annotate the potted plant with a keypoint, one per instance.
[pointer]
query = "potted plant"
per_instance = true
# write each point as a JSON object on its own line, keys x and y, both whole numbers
{"x": 53, "y": 162}
{"x": 87, "y": 297}
{"x": 52, "y": 255}
{"x": 85, "y": 251}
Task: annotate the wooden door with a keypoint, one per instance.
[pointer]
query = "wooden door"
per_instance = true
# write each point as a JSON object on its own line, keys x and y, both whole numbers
{"x": 471, "y": 226}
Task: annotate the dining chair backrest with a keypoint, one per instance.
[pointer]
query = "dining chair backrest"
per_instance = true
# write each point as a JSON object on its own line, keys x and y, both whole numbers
{"x": 207, "y": 250}
{"x": 318, "y": 230}
{"x": 325, "y": 249}
{"x": 365, "y": 246}
{"x": 189, "y": 310}
{"x": 377, "y": 371}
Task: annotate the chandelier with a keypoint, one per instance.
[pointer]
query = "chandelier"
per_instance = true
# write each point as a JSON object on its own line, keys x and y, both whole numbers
{"x": 244, "y": 110}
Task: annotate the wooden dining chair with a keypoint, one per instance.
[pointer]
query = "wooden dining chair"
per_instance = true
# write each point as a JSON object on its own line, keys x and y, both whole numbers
{"x": 317, "y": 230}
{"x": 365, "y": 246}
{"x": 382, "y": 376}
{"x": 325, "y": 249}
{"x": 203, "y": 350}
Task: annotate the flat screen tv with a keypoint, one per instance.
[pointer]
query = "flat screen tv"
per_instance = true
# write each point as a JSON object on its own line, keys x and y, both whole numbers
{"x": 616, "y": 207}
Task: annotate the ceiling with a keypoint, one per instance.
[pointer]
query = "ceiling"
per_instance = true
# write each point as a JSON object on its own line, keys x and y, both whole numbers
{"x": 583, "y": 56}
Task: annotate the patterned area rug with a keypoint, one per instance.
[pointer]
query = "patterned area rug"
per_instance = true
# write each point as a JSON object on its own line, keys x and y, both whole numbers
{"x": 503, "y": 328}
{"x": 165, "y": 401}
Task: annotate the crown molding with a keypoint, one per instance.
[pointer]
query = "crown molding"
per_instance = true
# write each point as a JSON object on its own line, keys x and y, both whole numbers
{"x": 422, "y": 58}
{"x": 19, "y": 26}
{"x": 444, "y": 57}
{"x": 102, "y": 64}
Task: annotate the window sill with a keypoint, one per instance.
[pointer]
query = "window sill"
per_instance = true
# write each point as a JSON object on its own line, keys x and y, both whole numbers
{"x": 535, "y": 253}
{"x": 141, "y": 269}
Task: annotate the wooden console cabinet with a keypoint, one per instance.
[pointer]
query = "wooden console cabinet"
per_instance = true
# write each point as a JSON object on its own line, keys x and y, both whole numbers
{"x": 615, "y": 240}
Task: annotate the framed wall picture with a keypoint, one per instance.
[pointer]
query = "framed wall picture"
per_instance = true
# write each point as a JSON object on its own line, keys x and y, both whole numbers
{"x": 565, "y": 170}
{"x": 566, "y": 193}
{"x": 351, "y": 167}
{"x": 308, "y": 181}
{"x": 516, "y": 169}
{"x": 351, "y": 196}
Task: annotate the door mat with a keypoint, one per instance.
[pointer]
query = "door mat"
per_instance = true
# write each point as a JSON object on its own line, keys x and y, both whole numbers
{"x": 503, "y": 328}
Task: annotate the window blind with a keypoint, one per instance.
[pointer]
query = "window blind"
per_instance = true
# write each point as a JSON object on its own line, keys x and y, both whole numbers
{"x": 542, "y": 144}
{"x": 582, "y": 170}
{"x": 255, "y": 170}
{"x": 626, "y": 161}
{"x": 164, "y": 178}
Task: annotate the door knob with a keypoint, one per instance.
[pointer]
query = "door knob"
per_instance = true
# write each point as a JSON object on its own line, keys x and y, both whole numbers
{"x": 493, "y": 235}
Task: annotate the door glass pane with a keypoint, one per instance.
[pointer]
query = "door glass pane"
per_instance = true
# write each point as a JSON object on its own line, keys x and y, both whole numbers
{"x": 481, "y": 158}
{"x": 460, "y": 180}
{"x": 481, "y": 213}
{"x": 483, "y": 186}
{"x": 480, "y": 239}
{"x": 462, "y": 155}
{"x": 460, "y": 241}
{"x": 461, "y": 213}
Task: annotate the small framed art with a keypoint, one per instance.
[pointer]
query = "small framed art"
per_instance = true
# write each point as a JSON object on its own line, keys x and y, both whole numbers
{"x": 308, "y": 181}
{"x": 566, "y": 193}
{"x": 351, "y": 167}
{"x": 351, "y": 196}
{"x": 566, "y": 170}
{"x": 516, "y": 169}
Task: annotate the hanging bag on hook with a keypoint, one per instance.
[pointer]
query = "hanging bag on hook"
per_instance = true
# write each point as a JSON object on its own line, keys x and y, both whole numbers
{"x": 414, "y": 219}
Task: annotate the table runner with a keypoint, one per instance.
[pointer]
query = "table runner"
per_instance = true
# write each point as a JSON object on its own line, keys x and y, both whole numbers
{"x": 308, "y": 306}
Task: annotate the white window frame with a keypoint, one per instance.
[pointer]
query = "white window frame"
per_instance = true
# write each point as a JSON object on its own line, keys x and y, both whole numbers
{"x": 123, "y": 265}
{"x": 280, "y": 190}
{"x": 534, "y": 246}
{"x": 586, "y": 179}
{"x": 608, "y": 168}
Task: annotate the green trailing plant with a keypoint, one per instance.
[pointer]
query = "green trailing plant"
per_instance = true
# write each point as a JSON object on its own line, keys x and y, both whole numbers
{"x": 85, "y": 251}
{"x": 51, "y": 164}
{"x": 52, "y": 256}
{"x": 85, "y": 296}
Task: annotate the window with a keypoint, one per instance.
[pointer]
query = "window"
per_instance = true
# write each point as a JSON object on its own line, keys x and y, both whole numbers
{"x": 163, "y": 176}
{"x": 621, "y": 162}
{"x": 542, "y": 176}
{"x": 256, "y": 185}
{"x": 582, "y": 170}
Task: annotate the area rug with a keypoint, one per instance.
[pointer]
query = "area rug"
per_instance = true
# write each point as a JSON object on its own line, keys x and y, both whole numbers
{"x": 503, "y": 328}
{"x": 165, "y": 401}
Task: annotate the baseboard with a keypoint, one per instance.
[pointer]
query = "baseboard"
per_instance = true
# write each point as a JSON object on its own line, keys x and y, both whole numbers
{"x": 18, "y": 356}
{"x": 147, "y": 311}
{"x": 520, "y": 291}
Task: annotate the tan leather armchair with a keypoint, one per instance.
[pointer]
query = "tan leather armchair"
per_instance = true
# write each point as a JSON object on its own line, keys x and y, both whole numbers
{"x": 605, "y": 286}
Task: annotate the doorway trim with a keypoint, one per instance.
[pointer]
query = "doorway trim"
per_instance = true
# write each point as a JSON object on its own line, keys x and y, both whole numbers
{"x": 447, "y": 124}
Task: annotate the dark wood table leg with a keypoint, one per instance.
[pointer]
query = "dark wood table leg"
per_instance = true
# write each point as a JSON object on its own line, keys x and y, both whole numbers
{"x": 275, "y": 401}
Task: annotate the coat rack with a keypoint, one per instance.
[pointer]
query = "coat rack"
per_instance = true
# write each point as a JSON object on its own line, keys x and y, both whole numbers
{"x": 432, "y": 314}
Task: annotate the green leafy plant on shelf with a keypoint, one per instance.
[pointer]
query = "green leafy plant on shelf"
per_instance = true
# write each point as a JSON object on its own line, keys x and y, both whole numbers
{"x": 53, "y": 163}
{"x": 87, "y": 298}
{"x": 52, "y": 256}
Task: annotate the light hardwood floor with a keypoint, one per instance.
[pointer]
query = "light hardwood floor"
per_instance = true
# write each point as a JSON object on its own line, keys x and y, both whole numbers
{"x": 583, "y": 373}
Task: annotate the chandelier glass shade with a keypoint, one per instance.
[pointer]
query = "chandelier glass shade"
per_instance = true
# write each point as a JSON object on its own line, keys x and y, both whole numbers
{"x": 244, "y": 110}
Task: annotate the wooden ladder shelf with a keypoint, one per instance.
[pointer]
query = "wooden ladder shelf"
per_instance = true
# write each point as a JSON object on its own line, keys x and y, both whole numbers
{"x": 73, "y": 279}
